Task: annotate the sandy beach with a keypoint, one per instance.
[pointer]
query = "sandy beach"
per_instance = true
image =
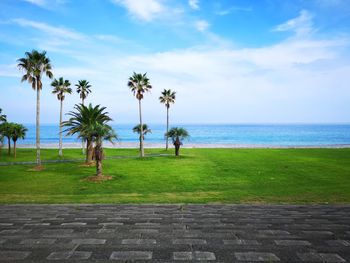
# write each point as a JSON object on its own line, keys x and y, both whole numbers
{"x": 185, "y": 145}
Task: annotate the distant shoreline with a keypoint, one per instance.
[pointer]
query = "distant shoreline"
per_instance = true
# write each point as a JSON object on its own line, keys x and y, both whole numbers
{"x": 124, "y": 145}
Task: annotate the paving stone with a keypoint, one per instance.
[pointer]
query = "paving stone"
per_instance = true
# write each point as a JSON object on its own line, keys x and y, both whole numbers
{"x": 131, "y": 255}
{"x": 13, "y": 255}
{"x": 145, "y": 231}
{"x": 74, "y": 224}
{"x": 256, "y": 256}
{"x": 89, "y": 241}
{"x": 57, "y": 232}
{"x": 292, "y": 243}
{"x": 182, "y": 256}
{"x": 241, "y": 242}
{"x": 39, "y": 241}
{"x": 338, "y": 242}
{"x": 80, "y": 255}
{"x": 111, "y": 224}
{"x": 189, "y": 242}
{"x": 274, "y": 232}
{"x": 196, "y": 255}
{"x": 203, "y": 255}
{"x": 139, "y": 241}
{"x": 317, "y": 233}
{"x": 320, "y": 257}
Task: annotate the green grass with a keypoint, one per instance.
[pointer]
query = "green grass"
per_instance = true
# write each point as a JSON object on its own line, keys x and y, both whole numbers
{"x": 198, "y": 176}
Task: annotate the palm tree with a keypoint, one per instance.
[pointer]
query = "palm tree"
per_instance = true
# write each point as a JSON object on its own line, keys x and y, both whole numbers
{"x": 2, "y": 116}
{"x": 99, "y": 133}
{"x": 2, "y": 119}
{"x": 81, "y": 122}
{"x": 177, "y": 135}
{"x": 61, "y": 87}
{"x": 83, "y": 89}
{"x": 139, "y": 84}
{"x": 18, "y": 132}
{"x": 6, "y": 129}
{"x": 145, "y": 130}
{"x": 167, "y": 97}
{"x": 35, "y": 64}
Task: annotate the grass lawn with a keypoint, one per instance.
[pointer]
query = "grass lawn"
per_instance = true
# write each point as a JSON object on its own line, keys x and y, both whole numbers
{"x": 198, "y": 176}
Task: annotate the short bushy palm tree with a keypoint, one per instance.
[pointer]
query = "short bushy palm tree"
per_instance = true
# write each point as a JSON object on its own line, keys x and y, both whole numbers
{"x": 6, "y": 130}
{"x": 83, "y": 89}
{"x": 145, "y": 130}
{"x": 167, "y": 98}
{"x": 35, "y": 64}
{"x": 82, "y": 121}
{"x": 61, "y": 88}
{"x": 139, "y": 84}
{"x": 177, "y": 135}
{"x": 18, "y": 132}
{"x": 101, "y": 132}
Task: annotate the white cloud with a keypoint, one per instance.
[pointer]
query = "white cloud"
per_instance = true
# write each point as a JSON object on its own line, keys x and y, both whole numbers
{"x": 201, "y": 25}
{"x": 194, "y": 4}
{"x": 145, "y": 10}
{"x": 47, "y": 4}
{"x": 231, "y": 9}
{"x": 301, "y": 25}
{"x": 59, "y": 32}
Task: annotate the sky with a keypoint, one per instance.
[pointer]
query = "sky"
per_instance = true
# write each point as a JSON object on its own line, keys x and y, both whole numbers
{"x": 229, "y": 61}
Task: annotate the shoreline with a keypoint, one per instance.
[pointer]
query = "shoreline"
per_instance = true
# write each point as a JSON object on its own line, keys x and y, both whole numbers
{"x": 126, "y": 145}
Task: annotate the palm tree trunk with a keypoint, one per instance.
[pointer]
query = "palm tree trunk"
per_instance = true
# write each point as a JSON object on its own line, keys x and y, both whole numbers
{"x": 89, "y": 151}
{"x": 98, "y": 156}
{"x": 177, "y": 147}
{"x": 82, "y": 141}
{"x": 9, "y": 145}
{"x": 14, "y": 149}
{"x": 60, "y": 140}
{"x": 142, "y": 154}
{"x": 38, "y": 160}
{"x": 167, "y": 129}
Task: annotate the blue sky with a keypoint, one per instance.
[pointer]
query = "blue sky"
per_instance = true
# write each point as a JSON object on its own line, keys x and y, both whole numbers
{"x": 230, "y": 61}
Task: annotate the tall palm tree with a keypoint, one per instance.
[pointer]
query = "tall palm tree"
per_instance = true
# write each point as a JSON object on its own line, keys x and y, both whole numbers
{"x": 82, "y": 121}
{"x": 18, "y": 132}
{"x": 145, "y": 130}
{"x": 101, "y": 132}
{"x": 177, "y": 135}
{"x": 61, "y": 87}
{"x": 166, "y": 98}
{"x": 35, "y": 64}
{"x": 139, "y": 84}
{"x": 83, "y": 89}
{"x": 2, "y": 116}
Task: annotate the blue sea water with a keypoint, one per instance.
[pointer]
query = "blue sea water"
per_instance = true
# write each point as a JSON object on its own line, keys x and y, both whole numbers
{"x": 247, "y": 134}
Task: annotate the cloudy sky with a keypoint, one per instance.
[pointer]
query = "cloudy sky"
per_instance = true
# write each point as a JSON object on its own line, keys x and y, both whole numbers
{"x": 230, "y": 61}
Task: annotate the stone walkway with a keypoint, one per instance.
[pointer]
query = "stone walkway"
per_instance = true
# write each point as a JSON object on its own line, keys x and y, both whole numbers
{"x": 173, "y": 233}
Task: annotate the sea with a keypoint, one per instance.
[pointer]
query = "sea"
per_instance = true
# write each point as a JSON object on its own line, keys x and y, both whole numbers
{"x": 221, "y": 134}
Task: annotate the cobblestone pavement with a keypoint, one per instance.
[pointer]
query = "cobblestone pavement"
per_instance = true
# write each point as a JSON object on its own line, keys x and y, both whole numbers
{"x": 174, "y": 233}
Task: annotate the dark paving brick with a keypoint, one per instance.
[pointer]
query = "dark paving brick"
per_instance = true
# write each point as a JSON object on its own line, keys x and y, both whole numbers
{"x": 13, "y": 255}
